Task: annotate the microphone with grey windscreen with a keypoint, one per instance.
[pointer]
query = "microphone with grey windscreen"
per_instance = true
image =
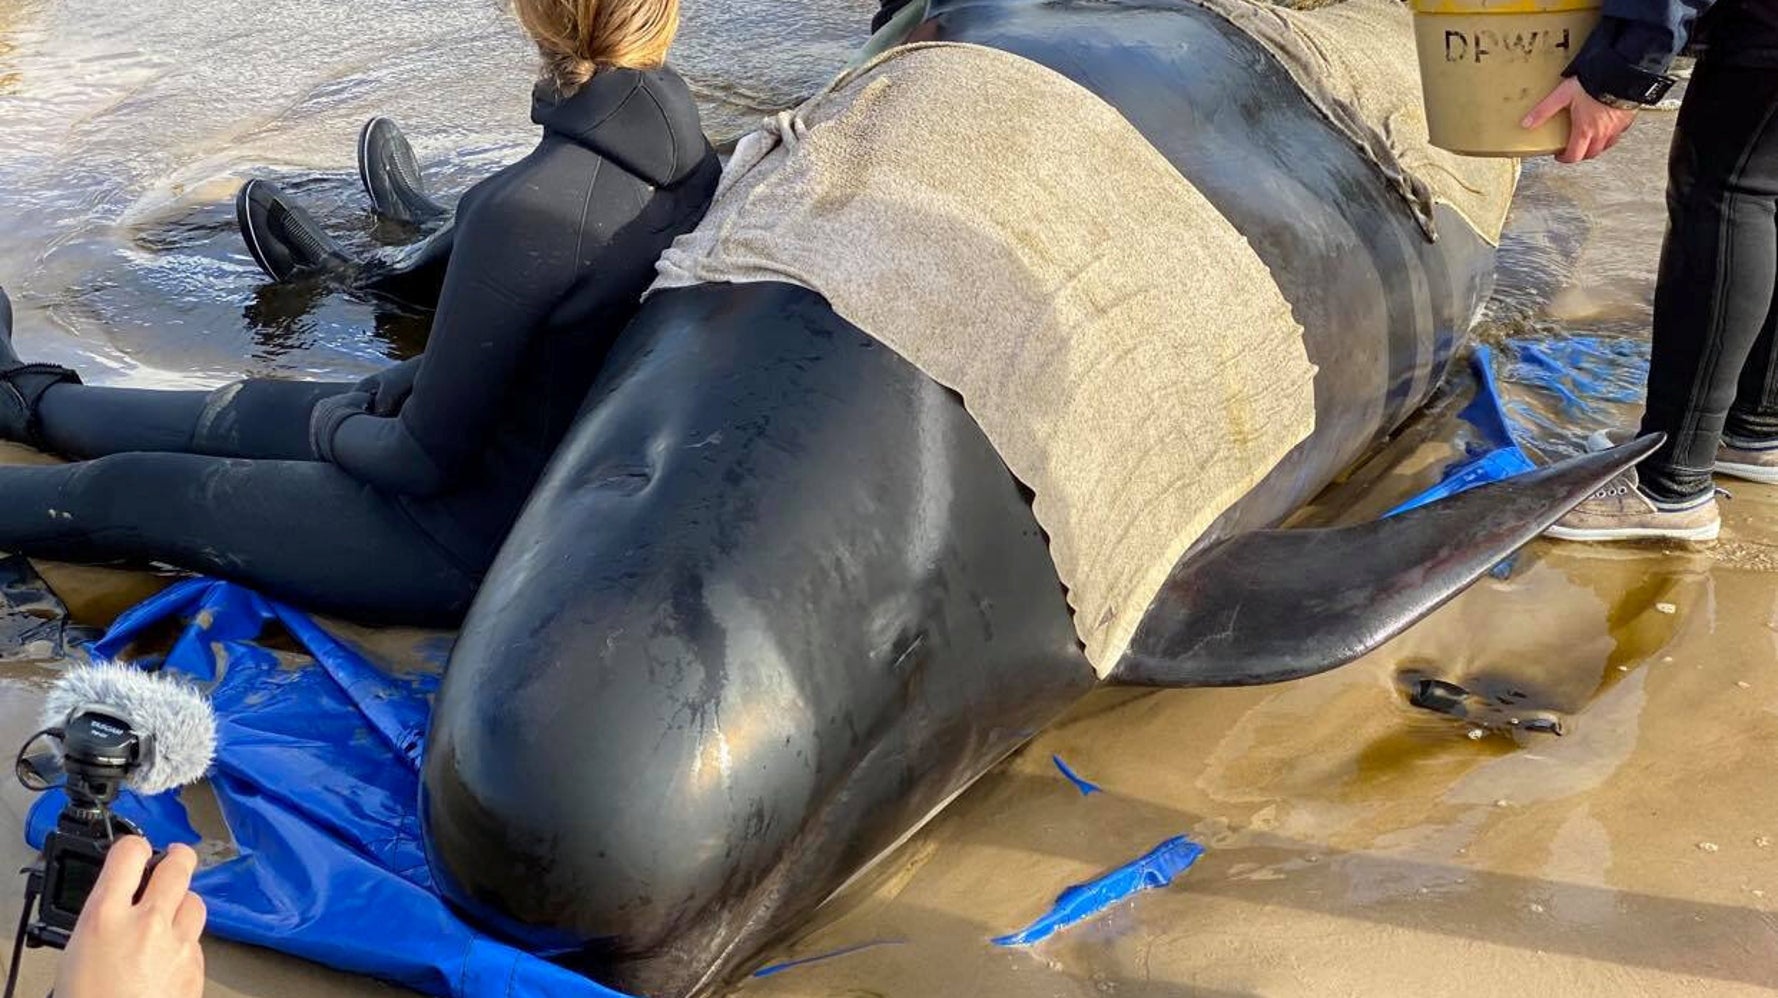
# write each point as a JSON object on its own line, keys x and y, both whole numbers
{"x": 173, "y": 722}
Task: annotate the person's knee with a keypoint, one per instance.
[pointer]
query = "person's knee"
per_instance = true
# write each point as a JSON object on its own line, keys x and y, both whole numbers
{"x": 261, "y": 417}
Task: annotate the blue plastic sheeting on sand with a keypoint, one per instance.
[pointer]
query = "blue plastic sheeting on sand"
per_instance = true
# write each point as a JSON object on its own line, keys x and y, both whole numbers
{"x": 1081, "y": 783}
{"x": 1578, "y": 383}
{"x": 1082, "y": 901}
{"x": 1581, "y": 371}
{"x": 1493, "y": 456}
{"x": 317, "y": 776}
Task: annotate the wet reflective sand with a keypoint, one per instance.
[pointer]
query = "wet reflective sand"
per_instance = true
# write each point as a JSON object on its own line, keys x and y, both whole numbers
{"x": 1357, "y": 844}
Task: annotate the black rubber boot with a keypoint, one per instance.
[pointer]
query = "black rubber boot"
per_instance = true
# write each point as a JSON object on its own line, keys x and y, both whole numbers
{"x": 391, "y": 175}
{"x": 285, "y": 240}
{"x": 22, "y": 385}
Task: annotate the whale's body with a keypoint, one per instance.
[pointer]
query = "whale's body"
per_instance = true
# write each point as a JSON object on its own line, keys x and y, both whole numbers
{"x": 778, "y": 599}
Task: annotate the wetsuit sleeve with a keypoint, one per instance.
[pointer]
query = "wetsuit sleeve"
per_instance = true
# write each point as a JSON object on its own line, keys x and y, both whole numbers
{"x": 1627, "y": 56}
{"x": 512, "y": 265}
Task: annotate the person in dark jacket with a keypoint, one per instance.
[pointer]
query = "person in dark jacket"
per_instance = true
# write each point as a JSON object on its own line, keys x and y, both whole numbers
{"x": 1713, "y": 373}
{"x": 386, "y": 500}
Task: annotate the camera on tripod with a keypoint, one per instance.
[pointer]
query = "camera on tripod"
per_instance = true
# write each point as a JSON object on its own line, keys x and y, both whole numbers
{"x": 99, "y": 750}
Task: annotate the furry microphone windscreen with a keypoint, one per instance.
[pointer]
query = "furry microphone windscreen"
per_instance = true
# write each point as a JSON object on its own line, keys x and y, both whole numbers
{"x": 175, "y": 713}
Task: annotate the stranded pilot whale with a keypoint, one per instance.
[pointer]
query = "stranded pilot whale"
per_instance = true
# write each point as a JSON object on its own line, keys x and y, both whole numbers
{"x": 778, "y": 598}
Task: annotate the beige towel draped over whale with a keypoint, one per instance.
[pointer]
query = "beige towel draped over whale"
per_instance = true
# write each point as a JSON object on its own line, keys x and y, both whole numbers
{"x": 1009, "y": 233}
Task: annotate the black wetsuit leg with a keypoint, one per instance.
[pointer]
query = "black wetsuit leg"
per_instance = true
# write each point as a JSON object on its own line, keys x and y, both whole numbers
{"x": 413, "y": 274}
{"x": 257, "y": 418}
{"x": 302, "y": 531}
{"x": 224, "y": 483}
{"x": 1718, "y": 270}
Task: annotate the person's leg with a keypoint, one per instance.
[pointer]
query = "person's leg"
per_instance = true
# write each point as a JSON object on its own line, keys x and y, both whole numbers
{"x": 413, "y": 274}
{"x": 1750, "y": 437}
{"x": 1718, "y": 268}
{"x": 257, "y": 418}
{"x": 301, "y": 531}
{"x": 1753, "y": 419}
{"x": 47, "y": 407}
{"x": 288, "y": 244}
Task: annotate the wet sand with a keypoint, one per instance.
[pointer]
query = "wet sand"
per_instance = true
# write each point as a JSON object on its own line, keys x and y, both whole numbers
{"x": 1361, "y": 846}
{"x": 1356, "y": 844}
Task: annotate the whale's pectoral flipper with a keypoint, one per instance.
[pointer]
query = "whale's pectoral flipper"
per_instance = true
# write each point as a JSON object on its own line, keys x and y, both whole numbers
{"x": 1275, "y": 605}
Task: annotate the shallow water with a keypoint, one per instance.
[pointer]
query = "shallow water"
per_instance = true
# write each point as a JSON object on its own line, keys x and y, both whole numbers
{"x": 1359, "y": 844}
{"x": 125, "y": 130}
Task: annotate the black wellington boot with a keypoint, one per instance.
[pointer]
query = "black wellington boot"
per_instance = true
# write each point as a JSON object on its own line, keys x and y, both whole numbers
{"x": 391, "y": 175}
{"x": 285, "y": 240}
{"x": 22, "y": 385}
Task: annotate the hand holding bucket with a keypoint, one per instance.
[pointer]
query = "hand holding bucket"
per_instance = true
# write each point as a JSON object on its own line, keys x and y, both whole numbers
{"x": 1485, "y": 65}
{"x": 1593, "y": 127}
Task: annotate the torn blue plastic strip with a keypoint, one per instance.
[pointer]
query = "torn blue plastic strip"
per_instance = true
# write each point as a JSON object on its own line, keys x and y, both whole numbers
{"x": 317, "y": 778}
{"x": 1495, "y": 456}
{"x": 1083, "y": 901}
{"x": 1081, "y": 783}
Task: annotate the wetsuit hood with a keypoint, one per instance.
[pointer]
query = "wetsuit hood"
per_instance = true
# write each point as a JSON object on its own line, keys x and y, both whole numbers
{"x": 642, "y": 120}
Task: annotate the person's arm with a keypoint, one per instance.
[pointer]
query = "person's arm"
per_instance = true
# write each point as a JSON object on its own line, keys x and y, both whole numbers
{"x": 1626, "y": 58}
{"x": 512, "y": 264}
{"x": 1621, "y": 67}
{"x": 123, "y": 948}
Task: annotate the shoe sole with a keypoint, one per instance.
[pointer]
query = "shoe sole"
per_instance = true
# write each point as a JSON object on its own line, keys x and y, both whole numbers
{"x": 1696, "y": 534}
{"x": 244, "y": 220}
{"x": 1748, "y": 472}
{"x": 364, "y": 156}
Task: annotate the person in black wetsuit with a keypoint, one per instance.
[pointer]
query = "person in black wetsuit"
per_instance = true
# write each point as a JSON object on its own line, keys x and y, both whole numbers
{"x": 386, "y": 500}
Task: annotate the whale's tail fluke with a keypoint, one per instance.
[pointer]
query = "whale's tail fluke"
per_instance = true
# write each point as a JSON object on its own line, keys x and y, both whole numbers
{"x": 1276, "y": 605}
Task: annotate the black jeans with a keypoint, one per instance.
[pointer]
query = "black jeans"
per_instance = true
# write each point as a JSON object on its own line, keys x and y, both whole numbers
{"x": 1714, "y": 367}
{"x": 224, "y": 483}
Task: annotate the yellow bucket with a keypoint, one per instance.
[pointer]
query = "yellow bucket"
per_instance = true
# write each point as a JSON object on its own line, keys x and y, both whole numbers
{"x": 1485, "y": 63}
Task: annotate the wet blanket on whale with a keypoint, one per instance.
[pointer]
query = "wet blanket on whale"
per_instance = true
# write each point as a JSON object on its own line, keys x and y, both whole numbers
{"x": 1355, "y": 61}
{"x": 1119, "y": 342}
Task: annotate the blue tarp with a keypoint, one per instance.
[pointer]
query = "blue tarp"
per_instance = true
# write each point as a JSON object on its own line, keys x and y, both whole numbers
{"x": 1567, "y": 386}
{"x": 1492, "y": 455}
{"x": 317, "y": 776}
